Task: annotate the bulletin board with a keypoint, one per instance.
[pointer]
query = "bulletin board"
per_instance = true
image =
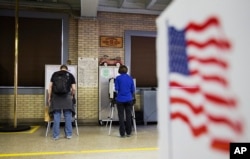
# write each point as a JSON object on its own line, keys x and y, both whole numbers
{"x": 88, "y": 72}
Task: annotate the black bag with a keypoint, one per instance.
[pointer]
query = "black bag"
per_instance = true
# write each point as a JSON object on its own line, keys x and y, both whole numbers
{"x": 61, "y": 83}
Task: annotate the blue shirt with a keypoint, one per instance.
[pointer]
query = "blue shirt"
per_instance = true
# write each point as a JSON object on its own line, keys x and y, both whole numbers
{"x": 125, "y": 88}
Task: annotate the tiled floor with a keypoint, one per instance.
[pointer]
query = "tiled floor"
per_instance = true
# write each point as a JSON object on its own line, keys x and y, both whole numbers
{"x": 93, "y": 142}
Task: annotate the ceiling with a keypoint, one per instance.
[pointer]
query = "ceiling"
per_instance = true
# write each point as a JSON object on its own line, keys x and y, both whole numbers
{"x": 89, "y": 8}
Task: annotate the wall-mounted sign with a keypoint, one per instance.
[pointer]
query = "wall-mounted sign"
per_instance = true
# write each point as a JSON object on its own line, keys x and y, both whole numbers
{"x": 110, "y": 41}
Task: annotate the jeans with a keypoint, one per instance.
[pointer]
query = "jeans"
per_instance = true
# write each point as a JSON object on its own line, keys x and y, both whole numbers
{"x": 127, "y": 108}
{"x": 68, "y": 122}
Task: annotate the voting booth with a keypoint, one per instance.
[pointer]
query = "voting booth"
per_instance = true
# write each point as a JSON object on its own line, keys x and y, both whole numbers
{"x": 106, "y": 73}
{"x": 107, "y": 107}
{"x": 49, "y": 70}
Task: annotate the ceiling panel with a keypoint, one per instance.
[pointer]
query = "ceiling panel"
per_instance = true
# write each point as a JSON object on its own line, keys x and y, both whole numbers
{"x": 91, "y": 7}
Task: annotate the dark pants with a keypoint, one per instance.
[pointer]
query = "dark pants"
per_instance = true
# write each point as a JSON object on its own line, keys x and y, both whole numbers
{"x": 127, "y": 108}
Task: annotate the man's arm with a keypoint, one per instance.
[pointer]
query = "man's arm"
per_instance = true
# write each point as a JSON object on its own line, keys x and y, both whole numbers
{"x": 73, "y": 89}
{"x": 49, "y": 92}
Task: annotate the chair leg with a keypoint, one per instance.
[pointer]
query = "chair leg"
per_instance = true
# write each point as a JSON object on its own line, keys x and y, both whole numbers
{"x": 77, "y": 132}
{"x": 48, "y": 127}
{"x": 134, "y": 121}
{"x": 110, "y": 114}
{"x": 111, "y": 118}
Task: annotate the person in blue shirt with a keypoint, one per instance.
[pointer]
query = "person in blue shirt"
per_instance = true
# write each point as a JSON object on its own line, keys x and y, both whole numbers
{"x": 125, "y": 98}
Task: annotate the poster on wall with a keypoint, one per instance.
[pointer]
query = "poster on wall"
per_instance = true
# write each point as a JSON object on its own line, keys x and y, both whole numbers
{"x": 87, "y": 72}
{"x": 203, "y": 95}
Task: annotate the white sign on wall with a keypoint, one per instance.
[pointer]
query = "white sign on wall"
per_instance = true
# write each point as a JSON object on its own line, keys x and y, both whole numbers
{"x": 87, "y": 72}
{"x": 203, "y": 95}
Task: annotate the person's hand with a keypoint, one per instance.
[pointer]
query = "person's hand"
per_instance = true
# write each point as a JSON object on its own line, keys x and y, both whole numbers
{"x": 73, "y": 99}
{"x": 134, "y": 101}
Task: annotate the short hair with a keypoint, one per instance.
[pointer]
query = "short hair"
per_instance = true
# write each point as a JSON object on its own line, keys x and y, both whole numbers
{"x": 64, "y": 67}
{"x": 123, "y": 69}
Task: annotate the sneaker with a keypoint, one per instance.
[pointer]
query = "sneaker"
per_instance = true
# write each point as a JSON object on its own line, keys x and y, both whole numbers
{"x": 68, "y": 137}
{"x": 55, "y": 138}
{"x": 122, "y": 136}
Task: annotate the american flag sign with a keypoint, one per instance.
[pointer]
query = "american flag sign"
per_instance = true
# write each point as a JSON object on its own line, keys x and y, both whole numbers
{"x": 200, "y": 93}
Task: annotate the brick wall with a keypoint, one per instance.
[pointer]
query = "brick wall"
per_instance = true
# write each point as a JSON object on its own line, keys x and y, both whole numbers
{"x": 83, "y": 42}
{"x": 29, "y": 108}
